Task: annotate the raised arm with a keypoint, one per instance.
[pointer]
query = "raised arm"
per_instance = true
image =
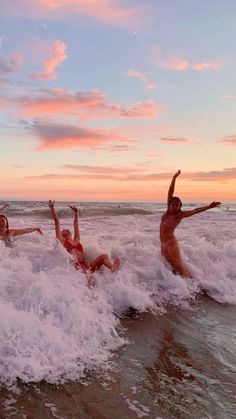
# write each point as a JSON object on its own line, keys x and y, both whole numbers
{"x": 172, "y": 187}
{"x": 185, "y": 214}
{"x": 76, "y": 222}
{"x": 56, "y": 221}
{"x": 19, "y": 231}
{"x": 4, "y": 206}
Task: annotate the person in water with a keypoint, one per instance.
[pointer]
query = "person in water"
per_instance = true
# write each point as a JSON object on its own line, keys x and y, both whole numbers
{"x": 6, "y": 233}
{"x": 75, "y": 248}
{"x": 169, "y": 221}
{"x": 4, "y": 207}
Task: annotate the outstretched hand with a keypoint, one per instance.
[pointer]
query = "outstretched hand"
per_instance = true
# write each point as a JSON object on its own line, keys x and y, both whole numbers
{"x": 39, "y": 231}
{"x": 5, "y": 206}
{"x": 214, "y": 204}
{"x": 177, "y": 173}
{"x": 51, "y": 203}
{"x": 74, "y": 208}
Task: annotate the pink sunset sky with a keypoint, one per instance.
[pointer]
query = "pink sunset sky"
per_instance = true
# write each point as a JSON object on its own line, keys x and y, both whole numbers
{"x": 103, "y": 100}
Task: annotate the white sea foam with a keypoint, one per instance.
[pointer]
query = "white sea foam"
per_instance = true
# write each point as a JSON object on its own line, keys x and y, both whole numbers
{"x": 53, "y": 327}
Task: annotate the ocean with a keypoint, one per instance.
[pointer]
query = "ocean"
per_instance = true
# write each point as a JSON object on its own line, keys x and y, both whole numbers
{"x": 144, "y": 342}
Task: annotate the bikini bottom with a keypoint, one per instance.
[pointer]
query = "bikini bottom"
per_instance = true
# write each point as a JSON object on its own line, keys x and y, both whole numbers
{"x": 166, "y": 243}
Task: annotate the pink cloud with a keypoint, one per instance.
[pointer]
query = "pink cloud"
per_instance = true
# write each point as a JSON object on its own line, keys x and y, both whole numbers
{"x": 136, "y": 74}
{"x": 116, "y": 12}
{"x": 137, "y": 174}
{"x": 151, "y": 85}
{"x": 229, "y": 140}
{"x": 214, "y": 175}
{"x": 88, "y": 105}
{"x": 55, "y": 55}
{"x": 207, "y": 65}
{"x": 118, "y": 148}
{"x": 176, "y": 140}
{"x": 160, "y": 60}
{"x": 103, "y": 169}
{"x": 61, "y": 136}
{"x": 141, "y": 110}
{"x": 59, "y": 101}
{"x": 148, "y": 84}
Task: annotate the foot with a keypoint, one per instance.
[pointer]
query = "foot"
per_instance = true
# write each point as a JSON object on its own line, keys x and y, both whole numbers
{"x": 90, "y": 280}
{"x": 115, "y": 264}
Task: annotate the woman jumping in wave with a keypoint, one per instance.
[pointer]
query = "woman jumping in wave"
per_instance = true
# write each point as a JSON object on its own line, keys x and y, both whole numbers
{"x": 75, "y": 248}
{"x": 169, "y": 221}
{"x": 6, "y": 233}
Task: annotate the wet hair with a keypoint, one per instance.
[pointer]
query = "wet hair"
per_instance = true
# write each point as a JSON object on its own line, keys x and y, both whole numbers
{"x": 7, "y": 225}
{"x": 175, "y": 198}
{"x": 65, "y": 230}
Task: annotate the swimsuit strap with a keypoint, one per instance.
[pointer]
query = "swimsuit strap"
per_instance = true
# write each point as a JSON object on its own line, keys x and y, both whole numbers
{"x": 70, "y": 246}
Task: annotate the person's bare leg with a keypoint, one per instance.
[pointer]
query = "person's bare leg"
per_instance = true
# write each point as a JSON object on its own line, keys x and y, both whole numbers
{"x": 174, "y": 257}
{"x": 115, "y": 264}
{"x": 105, "y": 260}
{"x": 90, "y": 279}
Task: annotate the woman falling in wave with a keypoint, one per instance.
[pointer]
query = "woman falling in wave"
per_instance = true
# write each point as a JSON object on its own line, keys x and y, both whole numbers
{"x": 75, "y": 248}
{"x": 169, "y": 221}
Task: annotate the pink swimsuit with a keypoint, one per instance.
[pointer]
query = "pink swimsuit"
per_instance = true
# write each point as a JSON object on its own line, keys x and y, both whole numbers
{"x": 78, "y": 263}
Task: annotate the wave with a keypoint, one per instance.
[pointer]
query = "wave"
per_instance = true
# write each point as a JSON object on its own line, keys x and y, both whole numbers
{"x": 54, "y": 328}
{"x": 64, "y": 213}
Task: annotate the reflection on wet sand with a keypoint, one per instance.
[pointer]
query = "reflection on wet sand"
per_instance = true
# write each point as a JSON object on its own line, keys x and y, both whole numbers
{"x": 175, "y": 366}
{"x": 168, "y": 379}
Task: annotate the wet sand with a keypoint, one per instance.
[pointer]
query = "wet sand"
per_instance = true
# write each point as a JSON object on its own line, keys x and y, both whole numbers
{"x": 176, "y": 365}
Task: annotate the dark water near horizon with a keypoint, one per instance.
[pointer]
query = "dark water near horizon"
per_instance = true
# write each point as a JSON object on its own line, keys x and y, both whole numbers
{"x": 69, "y": 352}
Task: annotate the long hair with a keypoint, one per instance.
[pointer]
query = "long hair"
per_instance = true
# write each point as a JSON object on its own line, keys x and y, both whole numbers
{"x": 7, "y": 225}
{"x": 175, "y": 198}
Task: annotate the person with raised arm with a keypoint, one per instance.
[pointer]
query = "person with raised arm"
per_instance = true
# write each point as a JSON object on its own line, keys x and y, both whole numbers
{"x": 73, "y": 245}
{"x": 4, "y": 207}
{"x": 169, "y": 221}
{"x": 6, "y": 233}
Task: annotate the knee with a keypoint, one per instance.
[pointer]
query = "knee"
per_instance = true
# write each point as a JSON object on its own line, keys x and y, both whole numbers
{"x": 104, "y": 256}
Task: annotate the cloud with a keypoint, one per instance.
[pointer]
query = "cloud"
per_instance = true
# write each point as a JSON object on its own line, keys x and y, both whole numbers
{"x": 140, "y": 110}
{"x": 136, "y": 174}
{"x": 214, "y": 175}
{"x": 88, "y": 105}
{"x": 55, "y": 55}
{"x": 103, "y": 169}
{"x": 54, "y": 136}
{"x": 229, "y": 140}
{"x": 176, "y": 63}
{"x": 11, "y": 65}
{"x": 90, "y": 173}
{"x": 118, "y": 148}
{"x": 207, "y": 65}
{"x": 114, "y": 12}
{"x": 59, "y": 101}
{"x": 148, "y": 84}
{"x": 136, "y": 74}
{"x": 176, "y": 140}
